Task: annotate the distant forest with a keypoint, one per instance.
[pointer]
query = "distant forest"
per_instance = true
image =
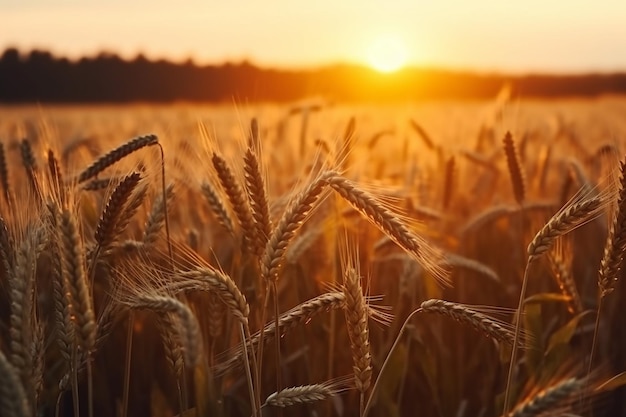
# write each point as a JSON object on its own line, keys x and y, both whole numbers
{"x": 38, "y": 76}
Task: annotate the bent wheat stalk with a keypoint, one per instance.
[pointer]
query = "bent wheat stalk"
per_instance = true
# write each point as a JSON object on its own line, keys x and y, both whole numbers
{"x": 577, "y": 212}
{"x": 115, "y": 155}
{"x": 613, "y": 257}
{"x": 466, "y": 315}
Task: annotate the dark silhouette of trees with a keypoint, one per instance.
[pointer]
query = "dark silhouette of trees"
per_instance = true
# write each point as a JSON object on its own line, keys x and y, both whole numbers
{"x": 40, "y": 77}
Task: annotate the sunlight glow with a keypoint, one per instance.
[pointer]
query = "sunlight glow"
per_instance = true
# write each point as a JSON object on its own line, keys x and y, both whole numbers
{"x": 387, "y": 54}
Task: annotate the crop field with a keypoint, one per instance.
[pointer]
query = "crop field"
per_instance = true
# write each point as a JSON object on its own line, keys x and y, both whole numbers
{"x": 314, "y": 259}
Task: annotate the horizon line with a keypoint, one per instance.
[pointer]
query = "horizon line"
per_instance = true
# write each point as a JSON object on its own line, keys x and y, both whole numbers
{"x": 259, "y": 64}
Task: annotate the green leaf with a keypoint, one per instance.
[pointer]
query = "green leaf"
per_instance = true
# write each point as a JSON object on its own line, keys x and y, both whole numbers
{"x": 565, "y": 333}
{"x": 547, "y": 297}
{"x": 390, "y": 381}
{"x": 533, "y": 325}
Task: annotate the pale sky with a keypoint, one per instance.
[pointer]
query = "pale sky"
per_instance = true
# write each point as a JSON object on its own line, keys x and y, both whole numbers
{"x": 482, "y": 35}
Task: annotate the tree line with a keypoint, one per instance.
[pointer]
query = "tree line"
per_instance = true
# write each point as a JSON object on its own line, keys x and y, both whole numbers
{"x": 39, "y": 76}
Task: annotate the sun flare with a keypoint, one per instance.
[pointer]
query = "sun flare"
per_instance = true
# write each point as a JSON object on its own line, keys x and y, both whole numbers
{"x": 387, "y": 54}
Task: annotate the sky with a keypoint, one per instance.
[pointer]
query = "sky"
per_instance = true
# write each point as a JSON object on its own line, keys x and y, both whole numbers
{"x": 479, "y": 35}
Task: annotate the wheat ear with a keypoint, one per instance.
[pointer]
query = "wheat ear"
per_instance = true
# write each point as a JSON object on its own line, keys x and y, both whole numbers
{"x": 257, "y": 197}
{"x": 21, "y": 291}
{"x": 238, "y": 200}
{"x": 98, "y": 184}
{"x": 301, "y": 314}
{"x": 448, "y": 183}
{"x": 451, "y": 261}
{"x": 290, "y": 222}
{"x": 515, "y": 169}
{"x": 390, "y": 224}
{"x": 189, "y": 330}
{"x": 560, "y": 260}
{"x": 115, "y": 155}
{"x": 547, "y": 399}
{"x": 358, "y": 331}
{"x": 4, "y": 175}
{"x": 271, "y": 259}
{"x": 106, "y": 228}
{"x": 212, "y": 280}
{"x": 464, "y": 314}
{"x": 79, "y": 296}
{"x": 30, "y": 165}
{"x": 174, "y": 354}
{"x": 156, "y": 218}
{"x": 485, "y": 217}
{"x": 303, "y": 394}
{"x": 13, "y": 400}
{"x": 616, "y": 241}
{"x": 7, "y": 257}
{"x": 56, "y": 177}
{"x": 613, "y": 257}
{"x": 75, "y": 279}
{"x": 218, "y": 208}
{"x": 62, "y": 306}
{"x": 424, "y": 136}
{"x": 38, "y": 349}
{"x": 579, "y": 210}
{"x": 561, "y": 224}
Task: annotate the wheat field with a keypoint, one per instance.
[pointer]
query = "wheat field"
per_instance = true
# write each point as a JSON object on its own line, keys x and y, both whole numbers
{"x": 314, "y": 259}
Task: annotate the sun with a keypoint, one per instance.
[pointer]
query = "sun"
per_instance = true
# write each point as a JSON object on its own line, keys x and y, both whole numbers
{"x": 387, "y": 54}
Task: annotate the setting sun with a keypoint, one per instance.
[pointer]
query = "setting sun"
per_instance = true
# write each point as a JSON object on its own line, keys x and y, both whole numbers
{"x": 387, "y": 54}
